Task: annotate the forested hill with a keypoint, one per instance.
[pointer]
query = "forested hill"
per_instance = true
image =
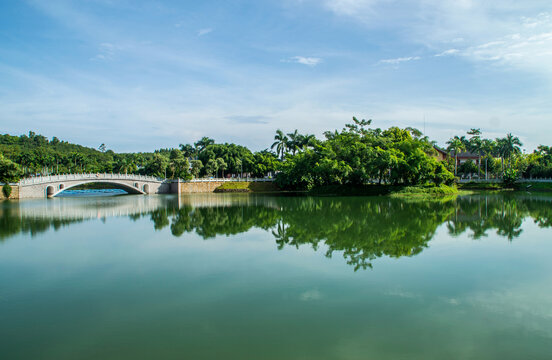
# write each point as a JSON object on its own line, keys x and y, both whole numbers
{"x": 37, "y": 154}
{"x": 359, "y": 154}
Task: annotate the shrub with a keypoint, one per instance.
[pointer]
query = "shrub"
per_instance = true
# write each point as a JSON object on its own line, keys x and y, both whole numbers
{"x": 7, "y": 190}
{"x": 510, "y": 177}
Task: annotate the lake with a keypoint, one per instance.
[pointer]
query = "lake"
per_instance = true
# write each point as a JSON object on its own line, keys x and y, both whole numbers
{"x": 237, "y": 276}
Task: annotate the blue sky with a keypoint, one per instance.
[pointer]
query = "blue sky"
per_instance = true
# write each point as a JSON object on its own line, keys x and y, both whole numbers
{"x": 142, "y": 75}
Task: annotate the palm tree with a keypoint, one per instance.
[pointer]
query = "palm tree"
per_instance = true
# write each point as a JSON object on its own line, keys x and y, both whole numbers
{"x": 511, "y": 145}
{"x": 307, "y": 140}
{"x": 476, "y": 145}
{"x": 457, "y": 145}
{"x": 280, "y": 143}
{"x": 205, "y": 141}
{"x": 489, "y": 148}
{"x": 294, "y": 141}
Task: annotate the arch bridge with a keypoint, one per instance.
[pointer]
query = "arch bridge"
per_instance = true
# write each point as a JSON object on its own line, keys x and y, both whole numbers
{"x": 49, "y": 186}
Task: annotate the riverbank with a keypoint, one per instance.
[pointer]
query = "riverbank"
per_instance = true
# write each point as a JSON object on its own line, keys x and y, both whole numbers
{"x": 391, "y": 190}
{"x": 533, "y": 186}
{"x": 344, "y": 190}
{"x": 247, "y": 187}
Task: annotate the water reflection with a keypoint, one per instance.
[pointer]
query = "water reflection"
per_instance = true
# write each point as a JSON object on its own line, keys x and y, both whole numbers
{"x": 361, "y": 229}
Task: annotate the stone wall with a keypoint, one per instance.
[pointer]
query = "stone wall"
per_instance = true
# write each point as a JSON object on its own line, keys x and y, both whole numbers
{"x": 199, "y": 187}
{"x": 14, "y": 194}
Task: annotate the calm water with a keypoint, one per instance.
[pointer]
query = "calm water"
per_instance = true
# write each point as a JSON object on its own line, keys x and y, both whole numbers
{"x": 263, "y": 277}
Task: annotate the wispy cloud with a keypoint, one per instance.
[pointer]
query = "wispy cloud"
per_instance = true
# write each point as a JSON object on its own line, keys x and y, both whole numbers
{"x": 507, "y": 33}
{"x": 399, "y": 60}
{"x": 448, "y": 52}
{"x": 309, "y": 61}
{"x": 248, "y": 119}
{"x": 106, "y": 51}
{"x": 205, "y": 31}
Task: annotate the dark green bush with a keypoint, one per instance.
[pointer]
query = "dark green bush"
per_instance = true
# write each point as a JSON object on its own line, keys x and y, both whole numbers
{"x": 7, "y": 190}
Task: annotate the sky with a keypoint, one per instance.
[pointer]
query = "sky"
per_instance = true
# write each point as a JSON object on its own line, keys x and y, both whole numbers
{"x": 141, "y": 75}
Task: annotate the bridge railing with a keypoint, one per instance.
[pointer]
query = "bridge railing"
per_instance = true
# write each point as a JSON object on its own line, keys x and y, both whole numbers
{"x": 134, "y": 177}
{"x": 90, "y": 176}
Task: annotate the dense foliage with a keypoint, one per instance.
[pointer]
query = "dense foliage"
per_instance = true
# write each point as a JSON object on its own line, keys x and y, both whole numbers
{"x": 358, "y": 155}
{"x": 499, "y": 158}
{"x": 355, "y": 156}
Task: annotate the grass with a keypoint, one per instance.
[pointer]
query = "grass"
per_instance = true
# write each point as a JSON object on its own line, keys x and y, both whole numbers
{"x": 425, "y": 190}
{"x": 393, "y": 190}
{"x": 483, "y": 186}
{"x": 247, "y": 186}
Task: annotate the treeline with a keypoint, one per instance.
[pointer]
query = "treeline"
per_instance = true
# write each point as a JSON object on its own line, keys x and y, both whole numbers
{"x": 32, "y": 155}
{"x": 355, "y": 155}
{"x": 498, "y": 158}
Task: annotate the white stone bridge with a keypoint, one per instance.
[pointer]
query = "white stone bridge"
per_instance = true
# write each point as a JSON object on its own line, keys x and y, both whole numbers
{"x": 49, "y": 186}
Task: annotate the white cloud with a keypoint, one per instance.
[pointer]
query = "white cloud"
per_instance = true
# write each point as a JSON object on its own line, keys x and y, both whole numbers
{"x": 351, "y": 7}
{"x": 106, "y": 51}
{"x": 309, "y": 61}
{"x": 448, "y": 52}
{"x": 517, "y": 34}
{"x": 400, "y": 60}
{"x": 205, "y": 31}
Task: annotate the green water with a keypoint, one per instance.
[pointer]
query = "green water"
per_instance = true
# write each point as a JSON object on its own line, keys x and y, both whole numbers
{"x": 264, "y": 277}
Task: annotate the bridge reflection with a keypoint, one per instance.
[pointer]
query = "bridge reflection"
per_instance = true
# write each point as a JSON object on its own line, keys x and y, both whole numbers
{"x": 360, "y": 228}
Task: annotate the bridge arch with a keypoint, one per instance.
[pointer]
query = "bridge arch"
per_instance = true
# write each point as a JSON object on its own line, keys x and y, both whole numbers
{"x": 51, "y": 192}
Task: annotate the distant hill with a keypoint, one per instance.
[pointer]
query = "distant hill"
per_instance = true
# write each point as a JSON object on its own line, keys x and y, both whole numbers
{"x": 37, "y": 154}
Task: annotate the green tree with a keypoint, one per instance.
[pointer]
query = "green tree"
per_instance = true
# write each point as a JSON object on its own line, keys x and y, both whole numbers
{"x": 510, "y": 145}
{"x": 221, "y": 164}
{"x": 294, "y": 142}
{"x": 9, "y": 171}
{"x": 203, "y": 143}
{"x": 457, "y": 145}
{"x": 211, "y": 167}
{"x": 178, "y": 165}
{"x": 157, "y": 166}
{"x": 281, "y": 143}
{"x": 476, "y": 146}
{"x": 197, "y": 166}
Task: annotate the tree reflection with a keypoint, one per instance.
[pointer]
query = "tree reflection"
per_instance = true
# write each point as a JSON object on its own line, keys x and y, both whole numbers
{"x": 361, "y": 229}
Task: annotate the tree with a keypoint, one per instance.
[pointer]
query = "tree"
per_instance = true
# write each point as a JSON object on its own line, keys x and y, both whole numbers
{"x": 476, "y": 145}
{"x": 265, "y": 162}
{"x": 197, "y": 166}
{"x": 280, "y": 143}
{"x": 457, "y": 145}
{"x": 510, "y": 145}
{"x": 178, "y": 165}
{"x": 211, "y": 167}
{"x": 157, "y": 166}
{"x": 188, "y": 150}
{"x": 9, "y": 171}
{"x": 221, "y": 164}
{"x": 294, "y": 142}
{"x": 203, "y": 143}
{"x": 307, "y": 140}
